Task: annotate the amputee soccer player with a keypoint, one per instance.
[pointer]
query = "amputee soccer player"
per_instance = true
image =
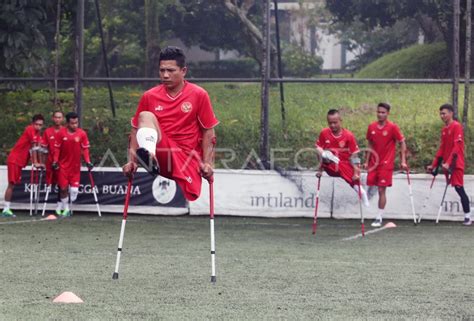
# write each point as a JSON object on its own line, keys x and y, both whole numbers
{"x": 339, "y": 151}
{"x": 173, "y": 128}
{"x": 451, "y": 151}
{"x": 49, "y": 140}
{"x": 19, "y": 157}
{"x": 70, "y": 143}
{"x": 382, "y": 136}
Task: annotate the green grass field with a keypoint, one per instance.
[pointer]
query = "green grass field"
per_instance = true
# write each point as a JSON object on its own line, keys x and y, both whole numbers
{"x": 266, "y": 269}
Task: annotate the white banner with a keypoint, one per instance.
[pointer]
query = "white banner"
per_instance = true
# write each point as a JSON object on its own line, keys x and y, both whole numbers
{"x": 292, "y": 194}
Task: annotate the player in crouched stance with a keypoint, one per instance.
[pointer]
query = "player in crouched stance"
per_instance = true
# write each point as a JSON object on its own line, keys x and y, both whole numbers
{"x": 339, "y": 151}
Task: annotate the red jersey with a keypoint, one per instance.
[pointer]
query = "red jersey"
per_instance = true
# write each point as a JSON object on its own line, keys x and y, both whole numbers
{"x": 20, "y": 153}
{"x": 383, "y": 141}
{"x": 69, "y": 147}
{"x": 181, "y": 117}
{"x": 343, "y": 145}
{"x": 452, "y": 142}
{"x": 49, "y": 140}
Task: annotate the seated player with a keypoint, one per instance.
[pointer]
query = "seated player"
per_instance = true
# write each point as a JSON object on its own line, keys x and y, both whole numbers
{"x": 20, "y": 156}
{"x": 173, "y": 128}
{"x": 338, "y": 149}
{"x": 70, "y": 143}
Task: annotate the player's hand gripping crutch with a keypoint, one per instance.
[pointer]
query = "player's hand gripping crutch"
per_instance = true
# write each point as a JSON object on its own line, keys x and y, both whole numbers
{"x": 91, "y": 178}
{"x": 315, "y": 219}
{"x": 410, "y": 192}
{"x": 448, "y": 181}
{"x": 122, "y": 229}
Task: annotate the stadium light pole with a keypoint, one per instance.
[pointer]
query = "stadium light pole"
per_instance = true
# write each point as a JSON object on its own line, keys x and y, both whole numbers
{"x": 264, "y": 117}
{"x": 79, "y": 60}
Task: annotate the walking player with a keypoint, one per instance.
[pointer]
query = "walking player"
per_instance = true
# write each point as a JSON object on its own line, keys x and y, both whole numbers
{"x": 173, "y": 128}
{"x": 70, "y": 142}
{"x": 451, "y": 150}
{"x": 19, "y": 157}
{"x": 382, "y": 136}
{"x": 339, "y": 151}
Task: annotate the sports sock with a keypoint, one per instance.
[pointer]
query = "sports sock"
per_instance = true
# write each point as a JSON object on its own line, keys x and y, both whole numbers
{"x": 363, "y": 193}
{"x": 147, "y": 138}
{"x": 380, "y": 215}
{"x": 59, "y": 206}
{"x": 7, "y": 206}
{"x": 65, "y": 203}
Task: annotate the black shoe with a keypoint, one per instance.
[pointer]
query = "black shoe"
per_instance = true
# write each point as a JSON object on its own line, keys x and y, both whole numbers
{"x": 148, "y": 162}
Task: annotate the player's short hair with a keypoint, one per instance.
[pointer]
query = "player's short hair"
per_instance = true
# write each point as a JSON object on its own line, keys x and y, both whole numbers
{"x": 448, "y": 107}
{"x": 58, "y": 111}
{"x": 332, "y": 112}
{"x": 173, "y": 53}
{"x": 71, "y": 115}
{"x": 384, "y": 105}
{"x": 37, "y": 117}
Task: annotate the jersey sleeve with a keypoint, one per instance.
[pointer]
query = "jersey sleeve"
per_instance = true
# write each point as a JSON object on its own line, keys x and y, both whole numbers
{"x": 58, "y": 141}
{"x": 320, "y": 141}
{"x": 142, "y": 106}
{"x": 207, "y": 118}
{"x": 367, "y": 135}
{"x": 85, "y": 141}
{"x": 458, "y": 137}
{"x": 352, "y": 144}
{"x": 397, "y": 133}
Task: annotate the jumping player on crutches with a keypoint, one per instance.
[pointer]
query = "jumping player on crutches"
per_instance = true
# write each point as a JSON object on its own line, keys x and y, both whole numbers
{"x": 173, "y": 131}
{"x": 451, "y": 150}
{"x": 339, "y": 152}
{"x": 382, "y": 136}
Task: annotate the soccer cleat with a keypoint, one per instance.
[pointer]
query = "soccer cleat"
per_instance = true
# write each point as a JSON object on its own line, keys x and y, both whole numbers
{"x": 66, "y": 213}
{"x": 376, "y": 223}
{"x": 58, "y": 212}
{"x": 8, "y": 213}
{"x": 148, "y": 162}
{"x": 467, "y": 221}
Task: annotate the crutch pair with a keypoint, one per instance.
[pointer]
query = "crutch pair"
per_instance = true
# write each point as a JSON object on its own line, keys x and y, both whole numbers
{"x": 211, "y": 217}
{"x": 36, "y": 181}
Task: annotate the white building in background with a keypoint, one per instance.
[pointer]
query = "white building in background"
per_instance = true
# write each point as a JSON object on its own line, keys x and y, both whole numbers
{"x": 294, "y": 28}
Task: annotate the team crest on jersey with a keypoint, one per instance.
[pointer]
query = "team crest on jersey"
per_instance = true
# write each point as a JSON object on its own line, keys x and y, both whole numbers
{"x": 373, "y": 132}
{"x": 51, "y": 137}
{"x": 327, "y": 141}
{"x": 385, "y": 133}
{"x": 342, "y": 143}
{"x": 77, "y": 139}
{"x": 186, "y": 107}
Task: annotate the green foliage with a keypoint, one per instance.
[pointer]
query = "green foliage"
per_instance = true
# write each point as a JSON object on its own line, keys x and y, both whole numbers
{"x": 237, "y": 106}
{"x": 418, "y": 61}
{"x": 299, "y": 63}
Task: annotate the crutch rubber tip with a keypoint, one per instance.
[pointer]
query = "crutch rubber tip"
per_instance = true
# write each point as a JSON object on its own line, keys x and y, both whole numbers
{"x": 115, "y": 276}
{"x": 213, "y": 279}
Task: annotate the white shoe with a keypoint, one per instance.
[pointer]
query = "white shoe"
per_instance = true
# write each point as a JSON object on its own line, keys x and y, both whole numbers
{"x": 376, "y": 223}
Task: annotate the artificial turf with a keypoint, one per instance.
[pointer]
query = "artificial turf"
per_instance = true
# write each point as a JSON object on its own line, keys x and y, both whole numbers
{"x": 266, "y": 269}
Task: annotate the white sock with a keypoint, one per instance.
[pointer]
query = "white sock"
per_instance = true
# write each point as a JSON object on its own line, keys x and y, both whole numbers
{"x": 7, "y": 206}
{"x": 65, "y": 203}
{"x": 467, "y": 215}
{"x": 379, "y": 216}
{"x": 363, "y": 193}
{"x": 147, "y": 138}
{"x": 59, "y": 206}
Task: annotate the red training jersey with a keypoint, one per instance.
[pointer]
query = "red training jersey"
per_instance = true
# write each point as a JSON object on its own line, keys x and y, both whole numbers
{"x": 49, "y": 139}
{"x": 69, "y": 147}
{"x": 452, "y": 143}
{"x": 181, "y": 117}
{"x": 20, "y": 153}
{"x": 383, "y": 141}
{"x": 342, "y": 145}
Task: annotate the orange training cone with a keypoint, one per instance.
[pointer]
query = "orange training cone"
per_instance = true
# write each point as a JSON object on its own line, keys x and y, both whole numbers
{"x": 67, "y": 297}
{"x": 390, "y": 225}
{"x": 51, "y": 217}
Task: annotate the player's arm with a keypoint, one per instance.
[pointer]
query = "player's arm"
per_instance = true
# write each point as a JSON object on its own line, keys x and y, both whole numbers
{"x": 208, "y": 144}
{"x": 370, "y": 147}
{"x": 131, "y": 166}
{"x": 403, "y": 155}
